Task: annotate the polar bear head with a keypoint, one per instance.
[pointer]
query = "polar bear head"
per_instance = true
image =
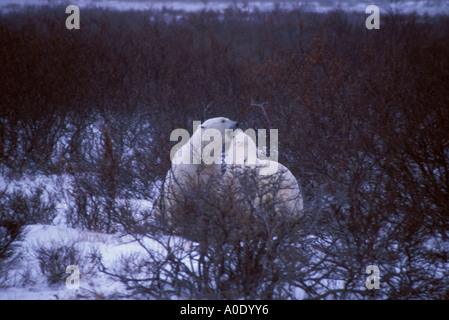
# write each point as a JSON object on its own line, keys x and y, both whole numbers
{"x": 243, "y": 149}
{"x": 221, "y": 124}
{"x": 208, "y": 139}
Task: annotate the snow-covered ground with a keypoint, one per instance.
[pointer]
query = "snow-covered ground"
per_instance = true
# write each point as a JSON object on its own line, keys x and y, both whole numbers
{"x": 93, "y": 284}
{"x": 109, "y": 246}
{"x": 26, "y": 281}
{"x": 430, "y": 7}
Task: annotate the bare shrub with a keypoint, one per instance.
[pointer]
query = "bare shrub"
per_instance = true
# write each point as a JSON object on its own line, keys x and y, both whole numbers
{"x": 12, "y": 232}
{"x": 33, "y": 208}
{"x": 17, "y": 210}
{"x": 55, "y": 258}
{"x": 233, "y": 251}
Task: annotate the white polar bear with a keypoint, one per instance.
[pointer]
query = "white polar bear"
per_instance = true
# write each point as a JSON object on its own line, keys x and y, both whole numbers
{"x": 195, "y": 155}
{"x": 193, "y": 168}
{"x": 261, "y": 184}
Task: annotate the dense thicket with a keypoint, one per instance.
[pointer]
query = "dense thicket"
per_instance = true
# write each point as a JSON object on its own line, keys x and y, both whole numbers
{"x": 362, "y": 118}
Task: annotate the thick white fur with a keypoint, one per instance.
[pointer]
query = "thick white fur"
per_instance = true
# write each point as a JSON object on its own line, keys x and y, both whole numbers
{"x": 185, "y": 178}
{"x": 275, "y": 184}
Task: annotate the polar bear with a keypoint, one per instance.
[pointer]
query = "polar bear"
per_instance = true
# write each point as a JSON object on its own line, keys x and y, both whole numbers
{"x": 193, "y": 168}
{"x": 261, "y": 184}
{"x": 195, "y": 155}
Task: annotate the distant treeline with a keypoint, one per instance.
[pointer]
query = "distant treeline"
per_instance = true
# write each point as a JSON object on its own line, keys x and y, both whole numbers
{"x": 165, "y": 67}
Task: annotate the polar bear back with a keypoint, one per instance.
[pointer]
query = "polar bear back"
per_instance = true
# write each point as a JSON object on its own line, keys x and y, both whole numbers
{"x": 264, "y": 182}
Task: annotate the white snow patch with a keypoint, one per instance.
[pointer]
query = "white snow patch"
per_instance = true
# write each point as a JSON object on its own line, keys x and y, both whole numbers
{"x": 93, "y": 285}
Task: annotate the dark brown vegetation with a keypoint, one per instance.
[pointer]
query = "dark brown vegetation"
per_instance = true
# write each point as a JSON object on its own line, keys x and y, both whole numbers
{"x": 362, "y": 118}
